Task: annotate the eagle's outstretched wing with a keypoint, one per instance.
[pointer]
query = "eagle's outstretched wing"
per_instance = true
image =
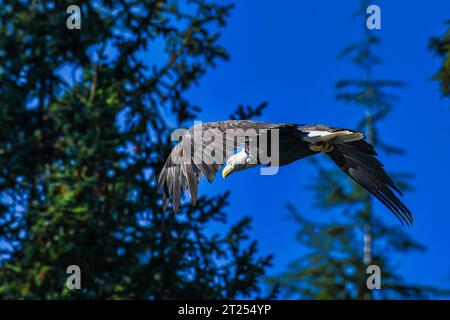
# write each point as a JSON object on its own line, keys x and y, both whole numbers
{"x": 356, "y": 157}
{"x": 182, "y": 170}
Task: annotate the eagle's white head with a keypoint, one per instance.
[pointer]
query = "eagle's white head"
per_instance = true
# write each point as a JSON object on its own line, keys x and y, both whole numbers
{"x": 237, "y": 162}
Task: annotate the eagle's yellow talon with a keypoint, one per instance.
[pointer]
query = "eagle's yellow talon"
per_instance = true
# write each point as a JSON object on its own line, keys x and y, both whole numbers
{"x": 321, "y": 147}
{"x": 328, "y": 148}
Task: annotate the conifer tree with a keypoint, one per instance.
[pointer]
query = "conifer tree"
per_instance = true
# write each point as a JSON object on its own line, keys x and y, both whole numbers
{"x": 441, "y": 47}
{"x": 86, "y": 118}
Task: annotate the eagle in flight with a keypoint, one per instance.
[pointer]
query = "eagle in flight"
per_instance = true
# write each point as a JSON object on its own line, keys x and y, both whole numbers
{"x": 188, "y": 160}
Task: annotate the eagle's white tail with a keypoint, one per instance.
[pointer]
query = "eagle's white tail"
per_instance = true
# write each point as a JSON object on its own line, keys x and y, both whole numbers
{"x": 343, "y": 136}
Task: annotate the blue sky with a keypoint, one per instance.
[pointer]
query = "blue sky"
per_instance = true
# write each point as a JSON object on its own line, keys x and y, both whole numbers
{"x": 285, "y": 53}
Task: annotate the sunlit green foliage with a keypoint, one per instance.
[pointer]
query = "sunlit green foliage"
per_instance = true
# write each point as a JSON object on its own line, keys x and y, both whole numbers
{"x": 86, "y": 118}
{"x": 441, "y": 46}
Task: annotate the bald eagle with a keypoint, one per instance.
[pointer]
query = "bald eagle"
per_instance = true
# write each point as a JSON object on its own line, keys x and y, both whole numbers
{"x": 188, "y": 160}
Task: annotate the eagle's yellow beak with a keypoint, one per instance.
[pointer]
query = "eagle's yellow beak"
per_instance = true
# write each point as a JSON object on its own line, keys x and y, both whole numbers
{"x": 227, "y": 170}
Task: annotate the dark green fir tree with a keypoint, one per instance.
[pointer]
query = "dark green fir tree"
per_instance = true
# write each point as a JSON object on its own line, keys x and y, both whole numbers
{"x": 441, "y": 47}
{"x": 86, "y": 117}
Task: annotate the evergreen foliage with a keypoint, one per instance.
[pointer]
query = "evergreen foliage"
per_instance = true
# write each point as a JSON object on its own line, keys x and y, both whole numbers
{"x": 441, "y": 47}
{"x": 86, "y": 119}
